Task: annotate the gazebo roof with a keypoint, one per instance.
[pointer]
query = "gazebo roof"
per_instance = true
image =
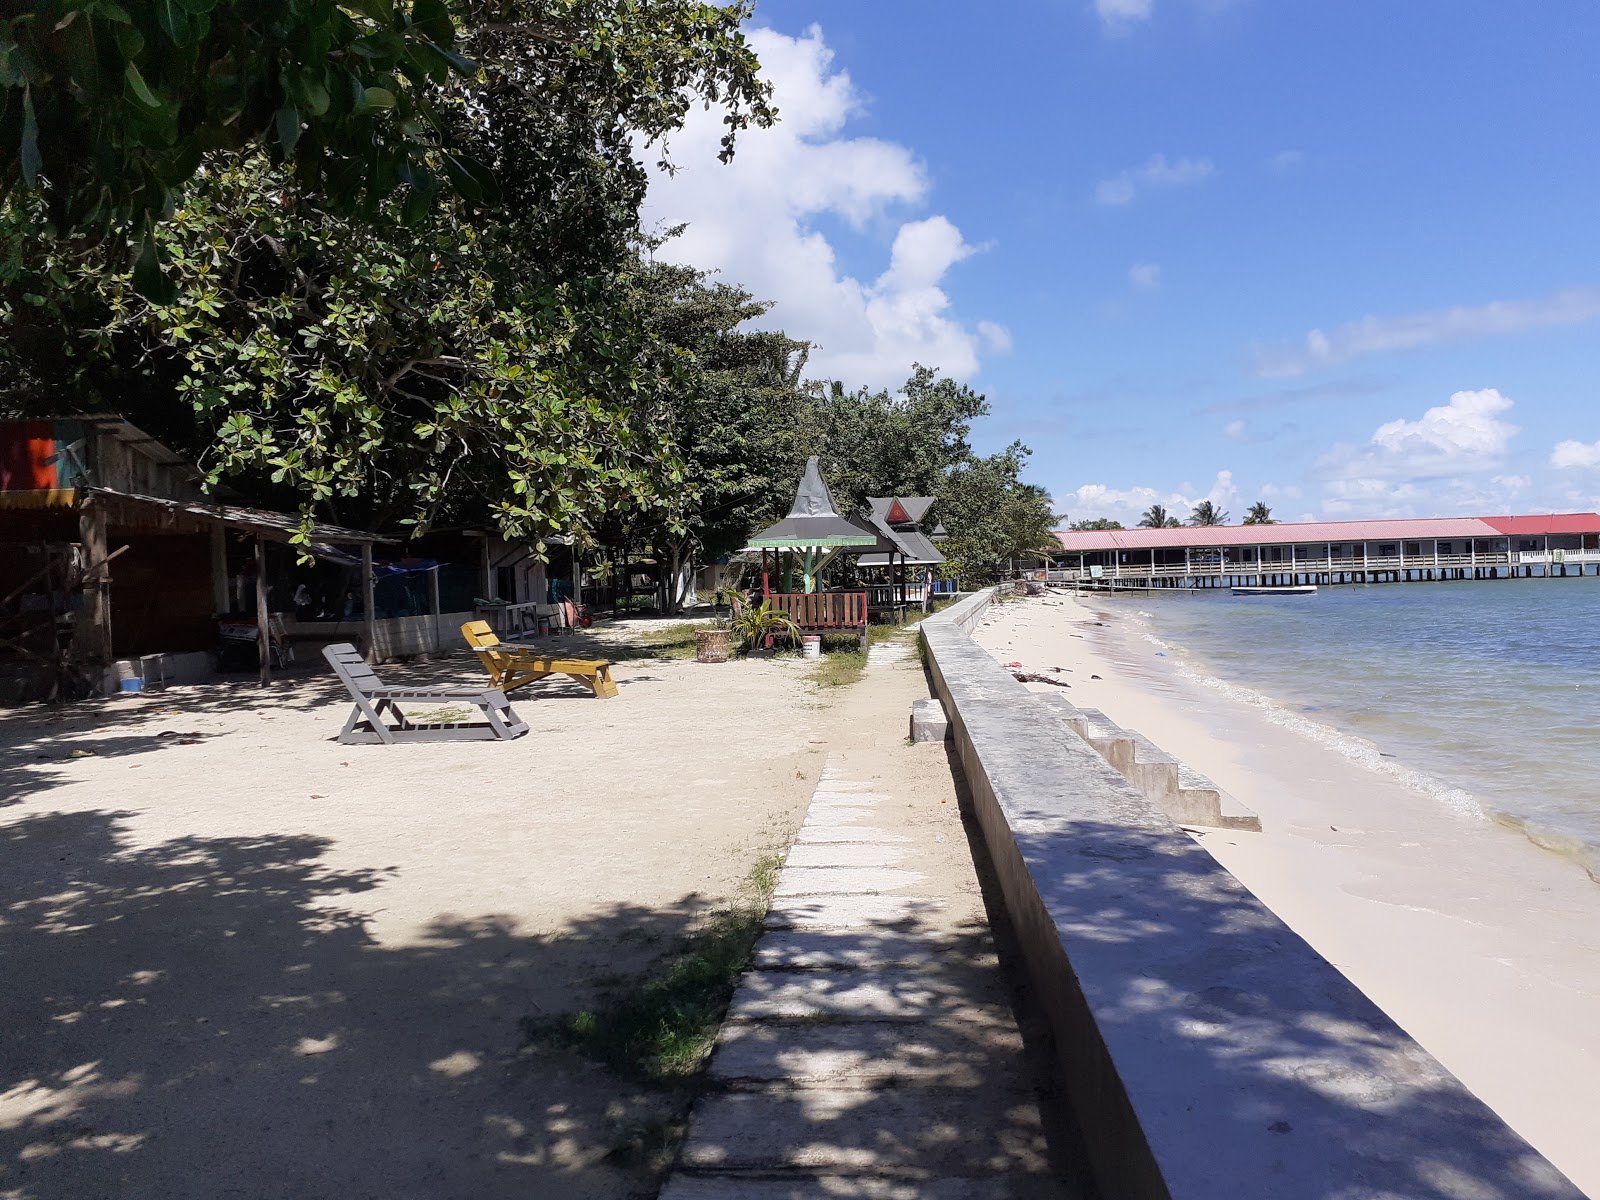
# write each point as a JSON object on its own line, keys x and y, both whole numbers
{"x": 812, "y": 521}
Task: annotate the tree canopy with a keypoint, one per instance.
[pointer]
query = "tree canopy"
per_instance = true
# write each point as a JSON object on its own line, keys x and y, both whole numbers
{"x": 1207, "y": 513}
{"x": 1097, "y": 523}
{"x": 463, "y": 360}
{"x": 1157, "y": 517}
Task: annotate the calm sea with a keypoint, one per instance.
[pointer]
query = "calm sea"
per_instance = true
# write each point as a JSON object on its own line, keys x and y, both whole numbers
{"x": 1491, "y": 690}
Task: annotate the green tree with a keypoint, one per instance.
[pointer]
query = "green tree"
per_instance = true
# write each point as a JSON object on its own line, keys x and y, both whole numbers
{"x": 466, "y": 363}
{"x": 1259, "y": 514}
{"x": 1097, "y": 523}
{"x": 991, "y": 515}
{"x": 1157, "y": 517}
{"x": 734, "y": 412}
{"x": 904, "y": 443}
{"x": 1207, "y": 513}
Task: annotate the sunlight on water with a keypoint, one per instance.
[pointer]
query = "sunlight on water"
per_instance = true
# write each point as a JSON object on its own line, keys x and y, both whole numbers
{"x": 1491, "y": 688}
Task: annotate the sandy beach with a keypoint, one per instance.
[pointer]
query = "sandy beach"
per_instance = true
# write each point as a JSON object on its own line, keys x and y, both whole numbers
{"x": 1483, "y": 946}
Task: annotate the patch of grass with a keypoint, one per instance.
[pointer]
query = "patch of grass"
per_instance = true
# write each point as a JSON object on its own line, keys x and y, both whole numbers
{"x": 839, "y": 668}
{"x": 676, "y": 642}
{"x": 661, "y": 1031}
{"x": 646, "y": 1141}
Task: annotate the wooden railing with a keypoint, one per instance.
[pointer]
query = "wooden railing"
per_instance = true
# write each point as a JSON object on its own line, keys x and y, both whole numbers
{"x": 823, "y": 610}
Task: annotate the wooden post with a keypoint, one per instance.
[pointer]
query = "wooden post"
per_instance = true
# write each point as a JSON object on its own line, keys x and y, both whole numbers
{"x": 369, "y": 632}
{"x": 577, "y": 576}
{"x": 92, "y": 636}
{"x": 221, "y": 602}
{"x": 433, "y": 603}
{"x": 263, "y": 629}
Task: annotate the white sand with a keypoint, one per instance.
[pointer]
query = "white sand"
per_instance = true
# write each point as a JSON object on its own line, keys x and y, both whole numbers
{"x": 1483, "y": 946}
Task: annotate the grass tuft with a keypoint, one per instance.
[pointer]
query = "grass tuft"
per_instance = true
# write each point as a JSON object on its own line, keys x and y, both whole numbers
{"x": 661, "y": 1031}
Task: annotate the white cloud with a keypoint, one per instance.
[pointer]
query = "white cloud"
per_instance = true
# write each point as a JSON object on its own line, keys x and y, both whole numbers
{"x": 1145, "y": 275}
{"x": 1432, "y": 466}
{"x": 754, "y": 221}
{"x": 1373, "y": 335}
{"x": 1156, "y": 173}
{"x": 1118, "y": 15}
{"x": 1286, "y": 160}
{"x": 1127, "y": 505}
{"x": 1234, "y": 430}
{"x": 1570, "y": 454}
{"x": 995, "y": 336}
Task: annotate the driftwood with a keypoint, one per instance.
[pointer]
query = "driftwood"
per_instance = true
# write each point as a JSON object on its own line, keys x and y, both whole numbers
{"x": 1033, "y": 677}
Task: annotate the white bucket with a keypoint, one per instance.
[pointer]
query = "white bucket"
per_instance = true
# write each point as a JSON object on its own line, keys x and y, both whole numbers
{"x": 811, "y": 646}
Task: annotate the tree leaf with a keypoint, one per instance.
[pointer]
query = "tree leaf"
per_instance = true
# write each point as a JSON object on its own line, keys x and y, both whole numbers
{"x": 149, "y": 280}
{"x": 288, "y": 121}
{"x": 137, "y": 83}
{"x": 174, "y": 21}
{"x": 380, "y": 98}
{"x": 30, "y": 140}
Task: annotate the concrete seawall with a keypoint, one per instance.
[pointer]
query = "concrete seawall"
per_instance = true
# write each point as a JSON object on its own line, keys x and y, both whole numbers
{"x": 1209, "y": 1053}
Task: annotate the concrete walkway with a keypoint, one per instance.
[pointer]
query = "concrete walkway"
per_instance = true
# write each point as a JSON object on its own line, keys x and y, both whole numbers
{"x": 871, "y": 1050}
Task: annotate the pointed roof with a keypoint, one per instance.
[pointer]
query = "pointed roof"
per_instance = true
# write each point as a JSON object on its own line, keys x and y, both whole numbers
{"x": 910, "y": 544}
{"x": 900, "y": 510}
{"x": 813, "y": 520}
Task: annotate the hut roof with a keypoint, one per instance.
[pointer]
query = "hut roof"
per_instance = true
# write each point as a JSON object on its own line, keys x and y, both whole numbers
{"x": 813, "y": 520}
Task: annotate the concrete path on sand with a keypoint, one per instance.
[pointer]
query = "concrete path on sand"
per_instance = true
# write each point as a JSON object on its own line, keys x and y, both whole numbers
{"x": 871, "y": 1050}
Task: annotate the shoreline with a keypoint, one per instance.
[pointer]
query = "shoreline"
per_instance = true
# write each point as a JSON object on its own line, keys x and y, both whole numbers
{"x": 1482, "y": 945}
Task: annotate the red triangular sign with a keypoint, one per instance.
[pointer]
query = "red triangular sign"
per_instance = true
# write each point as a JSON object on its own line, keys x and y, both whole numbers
{"x": 897, "y": 514}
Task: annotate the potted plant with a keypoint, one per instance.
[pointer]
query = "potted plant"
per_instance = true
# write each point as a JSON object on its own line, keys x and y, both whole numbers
{"x": 755, "y": 625}
{"x": 711, "y": 645}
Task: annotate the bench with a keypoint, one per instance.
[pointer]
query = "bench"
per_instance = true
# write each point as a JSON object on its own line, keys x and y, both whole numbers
{"x": 374, "y": 701}
{"x": 825, "y": 612}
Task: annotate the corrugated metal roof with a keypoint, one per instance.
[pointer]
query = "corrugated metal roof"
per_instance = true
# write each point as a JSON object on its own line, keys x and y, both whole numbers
{"x": 1546, "y": 523}
{"x": 1285, "y": 533}
{"x": 275, "y": 525}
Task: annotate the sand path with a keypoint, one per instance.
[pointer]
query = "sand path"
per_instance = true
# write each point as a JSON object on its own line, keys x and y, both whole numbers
{"x": 1485, "y": 948}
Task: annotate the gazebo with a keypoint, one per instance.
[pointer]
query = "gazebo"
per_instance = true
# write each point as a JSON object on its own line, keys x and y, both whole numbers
{"x": 816, "y": 533}
{"x": 897, "y": 523}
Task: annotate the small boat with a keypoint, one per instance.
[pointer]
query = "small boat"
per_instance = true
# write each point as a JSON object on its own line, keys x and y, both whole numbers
{"x": 1302, "y": 589}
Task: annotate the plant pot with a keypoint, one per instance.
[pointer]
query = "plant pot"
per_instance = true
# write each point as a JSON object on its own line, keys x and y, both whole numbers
{"x": 711, "y": 645}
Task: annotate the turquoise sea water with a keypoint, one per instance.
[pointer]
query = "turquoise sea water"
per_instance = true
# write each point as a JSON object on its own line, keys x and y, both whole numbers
{"x": 1490, "y": 688}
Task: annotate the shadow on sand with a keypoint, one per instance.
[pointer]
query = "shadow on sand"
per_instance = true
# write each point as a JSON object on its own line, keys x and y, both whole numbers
{"x": 207, "y": 1017}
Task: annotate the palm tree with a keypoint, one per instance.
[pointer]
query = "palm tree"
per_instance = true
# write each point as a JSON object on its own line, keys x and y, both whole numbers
{"x": 1207, "y": 513}
{"x": 1156, "y": 517}
{"x": 1259, "y": 514}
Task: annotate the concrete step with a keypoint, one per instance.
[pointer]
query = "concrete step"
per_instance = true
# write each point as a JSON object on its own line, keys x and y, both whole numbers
{"x": 868, "y": 994}
{"x": 846, "y": 912}
{"x": 860, "y": 1054}
{"x": 844, "y": 855}
{"x": 914, "y": 1133}
{"x": 829, "y": 950}
{"x": 834, "y": 1187}
{"x": 838, "y": 881}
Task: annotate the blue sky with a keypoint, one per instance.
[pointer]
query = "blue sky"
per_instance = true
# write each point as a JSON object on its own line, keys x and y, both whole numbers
{"x": 1338, "y": 255}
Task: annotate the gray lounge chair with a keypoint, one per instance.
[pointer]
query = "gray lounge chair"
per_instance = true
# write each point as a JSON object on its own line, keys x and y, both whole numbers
{"x": 373, "y": 699}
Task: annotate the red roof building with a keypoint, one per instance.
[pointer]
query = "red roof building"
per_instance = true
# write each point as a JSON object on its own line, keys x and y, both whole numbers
{"x": 1337, "y": 551}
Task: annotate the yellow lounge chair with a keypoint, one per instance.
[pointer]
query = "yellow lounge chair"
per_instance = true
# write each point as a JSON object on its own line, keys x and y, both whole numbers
{"x": 510, "y": 667}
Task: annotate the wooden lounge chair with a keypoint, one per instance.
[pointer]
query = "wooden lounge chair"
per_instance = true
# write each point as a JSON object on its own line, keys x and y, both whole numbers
{"x": 510, "y": 667}
{"x": 373, "y": 700}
